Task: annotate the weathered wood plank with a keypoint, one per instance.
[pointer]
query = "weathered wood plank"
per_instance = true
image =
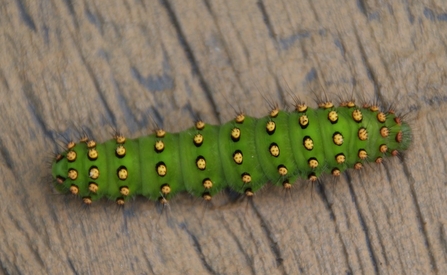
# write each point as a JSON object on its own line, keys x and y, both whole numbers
{"x": 69, "y": 66}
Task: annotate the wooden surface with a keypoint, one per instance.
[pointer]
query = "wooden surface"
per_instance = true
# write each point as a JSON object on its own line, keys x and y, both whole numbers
{"x": 96, "y": 66}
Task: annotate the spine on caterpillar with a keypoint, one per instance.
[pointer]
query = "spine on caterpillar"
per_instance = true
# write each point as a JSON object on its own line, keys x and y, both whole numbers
{"x": 242, "y": 154}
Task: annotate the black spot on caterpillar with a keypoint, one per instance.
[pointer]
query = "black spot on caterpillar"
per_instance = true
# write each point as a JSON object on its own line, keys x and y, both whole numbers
{"x": 243, "y": 154}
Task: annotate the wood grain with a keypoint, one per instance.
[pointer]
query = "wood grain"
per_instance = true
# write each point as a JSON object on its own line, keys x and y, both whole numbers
{"x": 69, "y": 67}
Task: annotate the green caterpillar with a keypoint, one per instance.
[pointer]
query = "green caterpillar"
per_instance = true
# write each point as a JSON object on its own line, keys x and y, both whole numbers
{"x": 242, "y": 154}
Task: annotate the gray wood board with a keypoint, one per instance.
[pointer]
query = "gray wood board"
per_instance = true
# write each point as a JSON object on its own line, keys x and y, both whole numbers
{"x": 69, "y": 67}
